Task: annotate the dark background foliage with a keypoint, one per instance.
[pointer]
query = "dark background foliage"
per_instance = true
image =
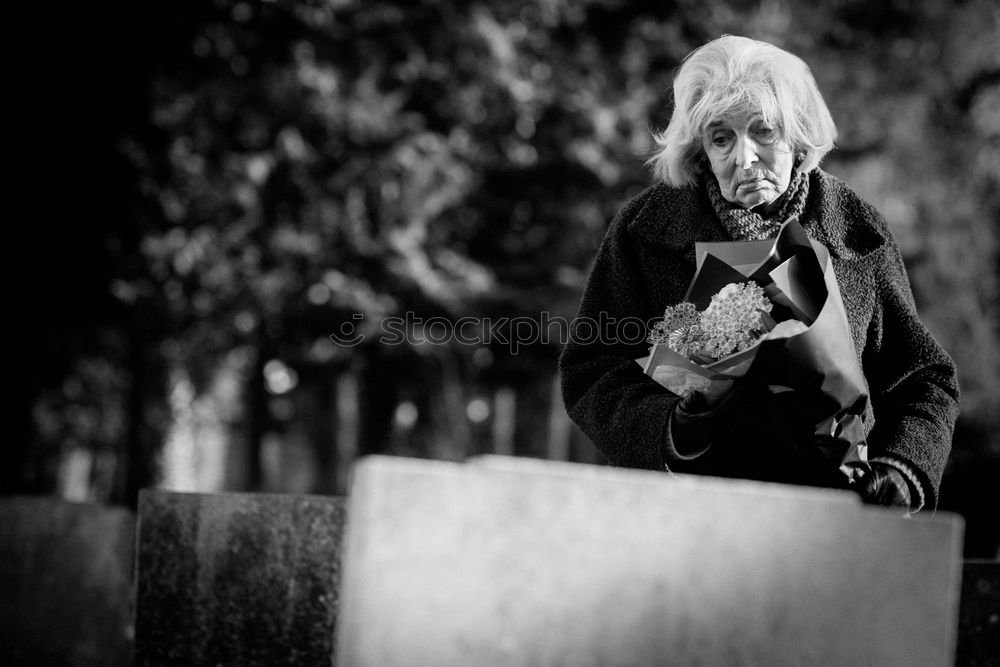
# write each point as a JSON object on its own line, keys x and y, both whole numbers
{"x": 200, "y": 193}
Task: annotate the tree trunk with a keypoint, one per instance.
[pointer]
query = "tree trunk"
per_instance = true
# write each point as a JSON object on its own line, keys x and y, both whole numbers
{"x": 348, "y": 427}
{"x": 323, "y": 422}
{"x": 377, "y": 403}
{"x": 135, "y": 465}
{"x": 257, "y": 415}
{"x": 504, "y": 420}
{"x": 559, "y": 424}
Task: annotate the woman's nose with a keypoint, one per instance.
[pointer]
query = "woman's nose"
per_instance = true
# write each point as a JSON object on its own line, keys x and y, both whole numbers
{"x": 746, "y": 152}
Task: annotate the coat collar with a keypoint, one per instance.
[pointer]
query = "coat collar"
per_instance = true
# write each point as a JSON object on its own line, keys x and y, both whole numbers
{"x": 677, "y": 217}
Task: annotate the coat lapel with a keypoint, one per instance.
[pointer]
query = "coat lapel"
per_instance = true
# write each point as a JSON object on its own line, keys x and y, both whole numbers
{"x": 677, "y": 218}
{"x": 825, "y": 219}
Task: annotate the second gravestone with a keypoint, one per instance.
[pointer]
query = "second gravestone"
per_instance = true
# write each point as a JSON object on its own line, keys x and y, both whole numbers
{"x": 237, "y": 579}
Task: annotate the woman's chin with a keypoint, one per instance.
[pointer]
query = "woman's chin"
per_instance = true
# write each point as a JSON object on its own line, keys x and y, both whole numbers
{"x": 758, "y": 203}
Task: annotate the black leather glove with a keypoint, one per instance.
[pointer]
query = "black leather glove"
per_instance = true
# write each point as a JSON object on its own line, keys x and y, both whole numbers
{"x": 885, "y": 485}
{"x": 696, "y": 422}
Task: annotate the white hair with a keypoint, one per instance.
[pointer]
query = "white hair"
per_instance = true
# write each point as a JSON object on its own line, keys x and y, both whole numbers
{"x": 740, "y": 74}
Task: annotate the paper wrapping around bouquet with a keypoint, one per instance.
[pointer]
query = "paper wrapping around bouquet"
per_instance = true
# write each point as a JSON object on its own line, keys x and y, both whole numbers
{"x": 820, "y": 361}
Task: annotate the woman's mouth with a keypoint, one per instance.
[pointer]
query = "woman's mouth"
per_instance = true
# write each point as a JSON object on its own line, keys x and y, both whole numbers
{"x": 752, "y": 184}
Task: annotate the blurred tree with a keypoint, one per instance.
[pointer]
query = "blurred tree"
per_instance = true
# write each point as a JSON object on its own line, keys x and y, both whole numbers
{"x": 245, "y": 178}
{"x": 322, "y": 162}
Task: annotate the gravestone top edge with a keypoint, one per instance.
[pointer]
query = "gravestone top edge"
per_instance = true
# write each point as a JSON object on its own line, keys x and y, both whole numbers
{"x": 586, "y": 473}
{"x": 156, "y": 494}
{"x": 56, "y": 501}
{"x": 611, "y": 473}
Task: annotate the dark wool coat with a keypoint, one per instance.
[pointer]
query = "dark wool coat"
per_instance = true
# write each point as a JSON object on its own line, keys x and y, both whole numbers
{"x": 645, "y": 264}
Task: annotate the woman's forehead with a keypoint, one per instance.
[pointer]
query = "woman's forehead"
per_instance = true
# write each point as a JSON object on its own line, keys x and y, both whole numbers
{"x": 736, "y": 117}
{"x": 729, "y": 104}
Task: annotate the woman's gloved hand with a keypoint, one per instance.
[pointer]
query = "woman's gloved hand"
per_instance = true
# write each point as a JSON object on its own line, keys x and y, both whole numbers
{"x": 697, "y": 421}
{"x": 885, "y": 485}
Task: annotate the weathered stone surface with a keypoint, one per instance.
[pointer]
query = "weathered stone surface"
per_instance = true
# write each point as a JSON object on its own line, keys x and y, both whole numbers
{"x": 979, "y": 620}
{"x": 65, "y": 583}
{"x": 510, "y": 562}
{"x": 237, "y": 579}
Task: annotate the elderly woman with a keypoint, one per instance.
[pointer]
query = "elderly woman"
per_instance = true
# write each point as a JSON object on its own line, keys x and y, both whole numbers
{"x": 740, "y": 156}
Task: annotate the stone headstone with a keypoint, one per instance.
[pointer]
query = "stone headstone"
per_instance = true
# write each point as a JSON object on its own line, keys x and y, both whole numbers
{"x": 979, "y": 620}
{"x": 65, "y": 583}
{"x": 237, "y": 579}
{"x": 511, "y": 562}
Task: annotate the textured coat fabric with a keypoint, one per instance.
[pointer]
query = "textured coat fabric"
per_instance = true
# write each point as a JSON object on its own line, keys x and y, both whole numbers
{"x": 645, "y": 264}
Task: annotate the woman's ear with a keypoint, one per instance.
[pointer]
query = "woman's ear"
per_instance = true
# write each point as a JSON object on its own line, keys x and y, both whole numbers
{"x": 800, "y": 158}
{"x": 702, "y": 165}
{"x": 698, "y": 162}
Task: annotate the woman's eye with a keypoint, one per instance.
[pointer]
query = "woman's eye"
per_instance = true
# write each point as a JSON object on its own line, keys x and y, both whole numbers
{"x": 720, "y": 139}
{"x": 766, "y": 133}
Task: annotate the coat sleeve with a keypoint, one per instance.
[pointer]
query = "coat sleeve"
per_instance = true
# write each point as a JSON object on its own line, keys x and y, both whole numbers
{"x": 913, "y": 381}
{"x": 623, "y": 411}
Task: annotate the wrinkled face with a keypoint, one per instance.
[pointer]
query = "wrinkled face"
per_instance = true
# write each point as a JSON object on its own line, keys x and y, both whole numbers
{"x": 750, "y": 158}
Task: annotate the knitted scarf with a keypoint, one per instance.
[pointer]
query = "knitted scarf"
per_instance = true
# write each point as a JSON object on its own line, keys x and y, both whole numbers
{"x": 746, "y": 225}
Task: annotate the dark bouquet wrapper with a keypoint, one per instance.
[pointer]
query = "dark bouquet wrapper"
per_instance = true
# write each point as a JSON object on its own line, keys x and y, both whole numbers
{"x": 816, "y": 360}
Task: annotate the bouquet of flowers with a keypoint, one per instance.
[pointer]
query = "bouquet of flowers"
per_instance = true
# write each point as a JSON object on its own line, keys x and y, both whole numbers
{"x": 771, "y": 312}
{"x": 737, "y": 318}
